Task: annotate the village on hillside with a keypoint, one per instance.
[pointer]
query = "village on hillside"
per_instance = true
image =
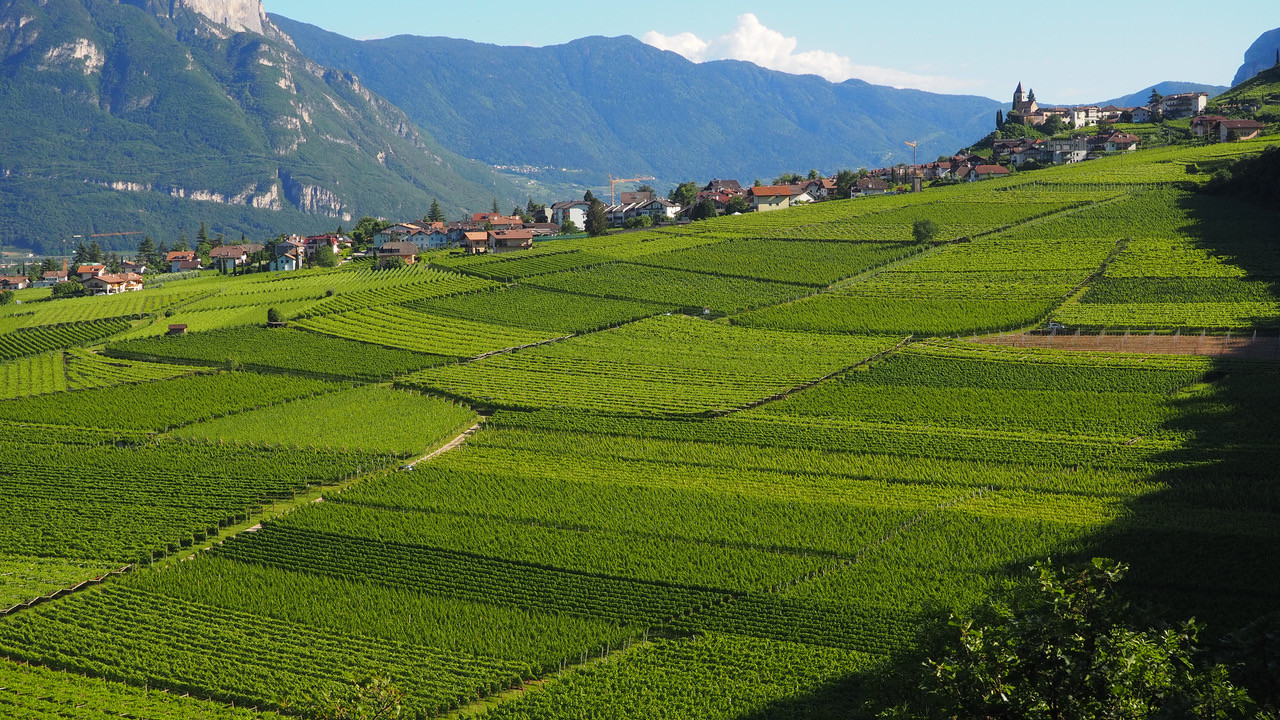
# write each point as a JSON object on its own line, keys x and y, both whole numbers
{"x": 1029, "y": 136}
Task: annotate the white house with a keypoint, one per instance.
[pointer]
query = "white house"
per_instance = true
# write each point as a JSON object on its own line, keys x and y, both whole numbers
{"x": 659, "y": 208}
{"x": 1143, "y": 114}
{"x": 574, "y": 211}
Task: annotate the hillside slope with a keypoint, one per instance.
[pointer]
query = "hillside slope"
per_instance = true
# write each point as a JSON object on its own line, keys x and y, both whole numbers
{"x": 616, "y": 105}
{"x": 1169, "y": 87}
{"x": 152, "y": 117}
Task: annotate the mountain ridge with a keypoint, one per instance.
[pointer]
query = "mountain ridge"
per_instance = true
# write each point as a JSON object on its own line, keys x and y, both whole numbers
{"x": 152, "y": 117}
{"x": 1261, "y": 55}
{"x": 617, "y": 105}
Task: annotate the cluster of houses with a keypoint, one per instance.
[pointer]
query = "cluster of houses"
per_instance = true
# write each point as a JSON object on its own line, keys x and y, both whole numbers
{"x": 1026, "y": 111}
{"x": 95, "y": 279}
{"x": 286, "y": 256}
{"x": 483, "y": 233}
{"x": 1226, "y": 129}
{"x": 1062, "y": 151}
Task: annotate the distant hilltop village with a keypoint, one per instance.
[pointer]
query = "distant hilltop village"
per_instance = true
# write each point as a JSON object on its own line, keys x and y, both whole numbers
{"x": 1026, "y": 111}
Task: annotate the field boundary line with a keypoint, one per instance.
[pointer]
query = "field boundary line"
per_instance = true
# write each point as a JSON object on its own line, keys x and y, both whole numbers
{"x": 69, "y": 590}
{"x": 814, "y": 383}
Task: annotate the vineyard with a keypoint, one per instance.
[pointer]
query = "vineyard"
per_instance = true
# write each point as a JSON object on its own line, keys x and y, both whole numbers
{"x": 724, "y": 469}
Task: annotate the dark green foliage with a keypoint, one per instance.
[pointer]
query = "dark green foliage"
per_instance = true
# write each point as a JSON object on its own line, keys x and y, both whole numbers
{"x": 924, "y": 230}
{"x": 325, "y": 258}
{"x": 597, "y": 219}
{"x": 1254, "y": 178}
{"x": 704, "y": 210}
{"x": 1069, "y": 648}
{"x": 273, "y": 315}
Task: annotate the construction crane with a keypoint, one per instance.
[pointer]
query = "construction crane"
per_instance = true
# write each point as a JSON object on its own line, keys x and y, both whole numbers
{"x": 121, "y": 234}
{"x": 915, "y": 155}
{"x": 613, "y": 182}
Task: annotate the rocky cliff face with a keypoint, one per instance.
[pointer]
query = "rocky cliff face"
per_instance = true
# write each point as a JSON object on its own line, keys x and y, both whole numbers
{"x": 1260, "y": 56}
{"x": 239, "y": 15}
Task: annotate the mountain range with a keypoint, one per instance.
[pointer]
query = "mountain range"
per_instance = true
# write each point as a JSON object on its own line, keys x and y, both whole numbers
{"x": 618, "y": 106}
{"x": 152, "y": 116}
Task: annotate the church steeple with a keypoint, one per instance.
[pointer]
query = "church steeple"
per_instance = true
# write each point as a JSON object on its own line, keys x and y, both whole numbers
{"x": 1018, "y": 95}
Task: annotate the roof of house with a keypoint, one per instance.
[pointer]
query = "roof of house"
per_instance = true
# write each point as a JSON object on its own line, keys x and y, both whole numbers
{"x": 1123, "y": 138}
{"x": 775, "y": 191}
{"x": 118, "y": 279}
{"x": 871, "y": 183}
{"x": 180, "y": 255}
{"x": 90, "y": 268}
{"x": 228, "y": 252}
{"x": 398, "y": 248}
{"x": 991, "y": 170}
{"x": 1242, "y": 124}
{"x": 475, "y": 236}
{"x": 512, "y": 235}
{"x": 55, "y": 274}
{"x": 13, "y": 279}
{"x": 564, "y": 205}
{"x": 189, "y": 265}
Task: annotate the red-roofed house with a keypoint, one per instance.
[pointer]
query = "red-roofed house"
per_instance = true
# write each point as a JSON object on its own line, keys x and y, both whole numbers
{"x": 1206, "y": 125}
{"x": 14, "y": 282}
{"x": 475, "y": 241}
{"x": 87, "y": 271}
{"x": 986, "y": 172}
{"x": 501, "y": 241}
{"x": 772, "y": 197}
{"x": 113, "y": 284}
{"x": 182, "y": 261}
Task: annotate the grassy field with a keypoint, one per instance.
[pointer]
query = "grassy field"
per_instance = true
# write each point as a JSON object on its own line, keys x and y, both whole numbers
{"x": 724, "y": 470}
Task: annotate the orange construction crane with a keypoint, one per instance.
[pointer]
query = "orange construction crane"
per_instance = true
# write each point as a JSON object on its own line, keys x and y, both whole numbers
{"x": 613, "y": 182}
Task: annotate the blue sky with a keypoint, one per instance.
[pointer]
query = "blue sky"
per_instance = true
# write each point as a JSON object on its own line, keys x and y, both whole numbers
{"x": 1067, "y": 53}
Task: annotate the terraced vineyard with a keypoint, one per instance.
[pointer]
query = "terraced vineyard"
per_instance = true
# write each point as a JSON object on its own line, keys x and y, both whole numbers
{"x": 729, "y": 469}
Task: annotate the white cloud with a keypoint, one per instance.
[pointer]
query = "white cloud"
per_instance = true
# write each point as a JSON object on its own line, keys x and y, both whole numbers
{"x": 751, "y": 41}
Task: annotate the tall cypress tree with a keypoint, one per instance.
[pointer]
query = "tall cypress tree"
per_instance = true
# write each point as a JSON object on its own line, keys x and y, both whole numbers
{"x": 597, "y": 219}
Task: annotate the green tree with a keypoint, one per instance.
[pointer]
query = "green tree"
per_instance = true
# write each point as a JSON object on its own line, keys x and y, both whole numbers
{"x": 737, "y": 204}
{"x": 845, "y": 180}
{"x": 81, "y": 254}
{"x": 640, "y": 221}
{"x": 365, "y": 230}
{"x": 113, "y": 263}
{"x": 273, "y": 315}
{"x": 324, "y": 257}
{"x": 495, "y": 209}
{"x": 1155, "y": 99}
{"x": 597, "y": 219}
{"x": 569, "y": 228}
{"x": 69, "y": 289}
{"x": 1000, "y": 119}
{"x": 49, "y": 265}
{"x": 704, "y": 210}
{"x": 147, "y": 252}
{"x": 814, "y": 174}
{"x": 685, "y": 194}
{"x": 924, "y": 230}
{"x": 182, "y": 245}
{"x": 435, "y": 214}
{"x": 788, "y": 179}
{"x": 162, "y": 256}
{"x": 95, "y": 253}
{"x": 1068, "y": 648}
{"x": 202, "y": 236}
{"x": 6, "y": 297}
{"x": 588, "y": 197}
{"x": 374, "y": 698}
